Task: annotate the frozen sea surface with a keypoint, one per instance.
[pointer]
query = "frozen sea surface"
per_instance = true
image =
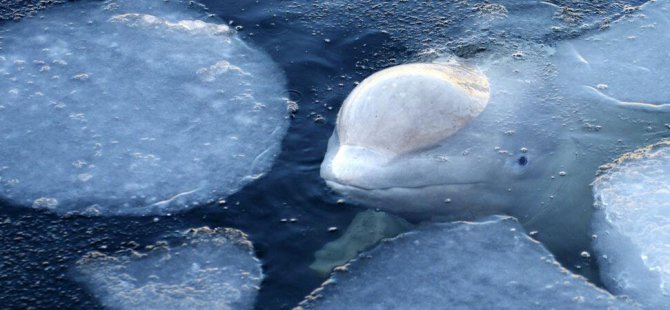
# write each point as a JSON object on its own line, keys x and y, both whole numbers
{"x": 632, "y": 224}
{"x": 483, "y": 265}
{"x": 203, "y": 269}
{"x": 111, "y": 110}
{"x": 466, "y": 28}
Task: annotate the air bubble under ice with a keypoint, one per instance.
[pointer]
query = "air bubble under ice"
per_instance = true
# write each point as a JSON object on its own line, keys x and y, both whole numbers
{"x": 483, "y": 265}
{"x": 203, "y": 269}
{"x": 125, "y": 107}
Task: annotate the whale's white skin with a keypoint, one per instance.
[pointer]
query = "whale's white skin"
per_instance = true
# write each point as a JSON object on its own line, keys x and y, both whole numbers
{"x": 542, "y": 106}
{"x": 403, "y": 127}
{"x": 473, "y": 172}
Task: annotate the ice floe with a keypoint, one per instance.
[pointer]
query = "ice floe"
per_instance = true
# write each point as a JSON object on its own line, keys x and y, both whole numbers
{"x": 632, "y": 225}
{"x": 133, "y": 107}
{"x": 484, "y": 265}
{"x": 203, "y": 269}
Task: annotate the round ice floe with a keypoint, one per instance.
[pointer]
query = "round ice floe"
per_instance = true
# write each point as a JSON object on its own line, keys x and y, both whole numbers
{"x": 632, "y": 223}
{"x": 127, "y": 107}
{"x": 407, "y": 107}
{"x": 485, "y": 265}
{"x": 204, "y": 269}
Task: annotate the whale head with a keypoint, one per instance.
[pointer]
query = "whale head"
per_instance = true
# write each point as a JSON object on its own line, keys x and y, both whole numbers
{"x": 424, "y": 140}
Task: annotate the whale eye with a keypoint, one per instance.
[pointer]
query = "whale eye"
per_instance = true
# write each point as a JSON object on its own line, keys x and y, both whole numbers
{"x": 523, "y": 161}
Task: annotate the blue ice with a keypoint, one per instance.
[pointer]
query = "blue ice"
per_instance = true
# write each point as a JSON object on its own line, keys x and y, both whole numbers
{"x": 491, "y": 264}
{"x": 202, "y": 269}
{"x": 632, "y": 225}
{"x": 133, "y": 107}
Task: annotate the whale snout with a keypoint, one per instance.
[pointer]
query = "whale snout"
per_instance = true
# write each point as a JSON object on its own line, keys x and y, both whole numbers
{"x": 372, "y": 179}
{"x": 353, "y": 166}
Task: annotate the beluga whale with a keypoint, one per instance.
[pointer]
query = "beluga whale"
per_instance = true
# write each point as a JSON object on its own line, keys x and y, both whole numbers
{"x": 392, "y": 119}
{"x": 520, "y": 131}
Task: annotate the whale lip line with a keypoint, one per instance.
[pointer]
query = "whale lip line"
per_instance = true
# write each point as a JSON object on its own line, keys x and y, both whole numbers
{"x": 331, "y": 182}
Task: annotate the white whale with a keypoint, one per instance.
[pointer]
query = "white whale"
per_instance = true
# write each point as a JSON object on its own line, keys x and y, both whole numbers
{"x": 519, "y": 132}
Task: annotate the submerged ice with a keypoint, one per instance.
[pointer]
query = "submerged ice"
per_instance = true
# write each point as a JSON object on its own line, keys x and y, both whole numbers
{"x": 632, "y": 223}
{"x": 203, "y": 269}
{"x": 482, "y": 265}
{"x": 133, "y": 107}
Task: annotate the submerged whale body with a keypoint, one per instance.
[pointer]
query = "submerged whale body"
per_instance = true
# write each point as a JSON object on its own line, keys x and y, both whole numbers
{"x": 133, "y": 107}
{"x": 529, "y": 148}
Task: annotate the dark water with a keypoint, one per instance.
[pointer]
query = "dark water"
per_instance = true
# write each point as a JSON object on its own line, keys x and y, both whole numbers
{"x": 324, "y": 48}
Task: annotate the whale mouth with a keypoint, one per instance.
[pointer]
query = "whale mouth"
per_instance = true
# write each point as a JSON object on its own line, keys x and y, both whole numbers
{"x": 342, "y": 187}
{"x": 448, "y": 201}
{"x": 355, "y": 168}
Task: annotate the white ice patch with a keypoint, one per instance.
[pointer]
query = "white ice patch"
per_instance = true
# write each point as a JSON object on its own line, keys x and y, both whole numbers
{"x": 632, "y": 223}
{"x": 485, "y": 265}
{"x": 133, "y": 107}
{"x": 205, "y": 269}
